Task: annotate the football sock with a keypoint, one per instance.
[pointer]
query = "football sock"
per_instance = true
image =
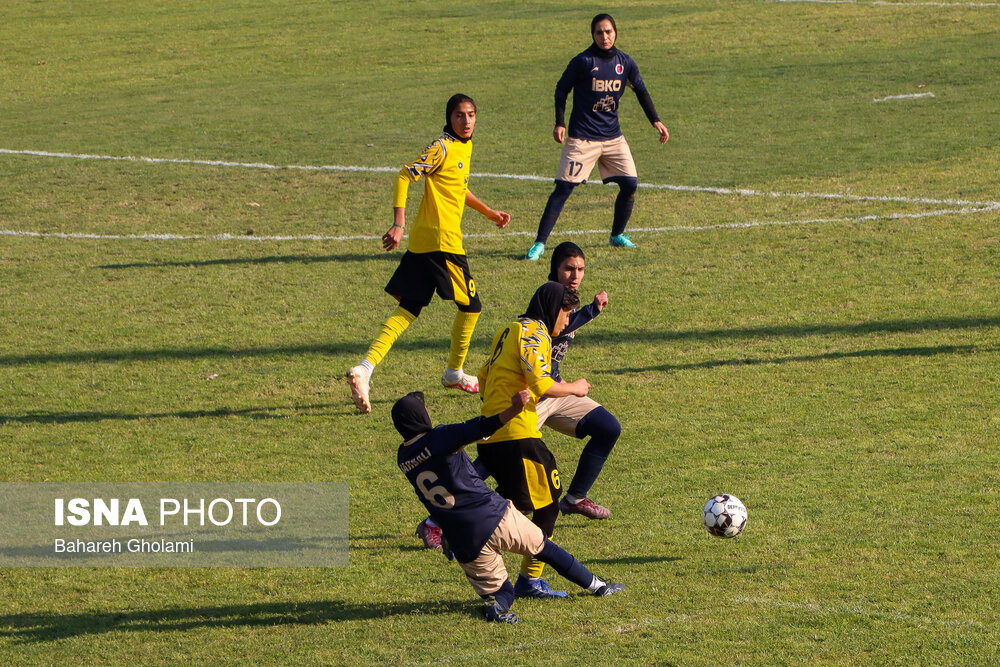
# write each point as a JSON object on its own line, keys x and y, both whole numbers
{"x": 573, "y": 500}
{"x": 368, "y": 366}
{"x": 531, "y": 567}
{"x": 430, "y": 522}
{"x": 505, "y": 596}
{"x": 461, "y": 334}
{"x": 391, "y": 330}
{"x": 596, "y": 584}
{"x": 603, "y": 429}
{"x": 623, "y": 203}
{"x": 553, "y": 208}
{"x": 566, "y": 565}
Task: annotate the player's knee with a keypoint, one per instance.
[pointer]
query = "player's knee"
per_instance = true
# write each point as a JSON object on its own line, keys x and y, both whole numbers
{"x": 599, "y": 422}
{"x": 411, "y": 307}
{"x": 474, "y": 306}
{"x": 627, "y": 185}
{"x": 562, "y": 191}
{"x": 545, "y": 518}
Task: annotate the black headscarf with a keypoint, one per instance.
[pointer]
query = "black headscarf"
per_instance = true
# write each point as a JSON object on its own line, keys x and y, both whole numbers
{"x": 560, "y": 254}
{"x": 546, "y": 303}
{"x": 409, "y": 415}
{"x": 605, "y": 53}
{"x": 453, "y": 103}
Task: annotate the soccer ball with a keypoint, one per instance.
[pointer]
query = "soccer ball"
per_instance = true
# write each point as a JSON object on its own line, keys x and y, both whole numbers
{"x": 724, "y": 515}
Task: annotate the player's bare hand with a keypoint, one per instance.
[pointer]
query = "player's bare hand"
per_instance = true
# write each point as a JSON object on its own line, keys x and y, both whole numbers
{"x": 580, "y": 387}
{"x": 601, "y": 300}
{"x": 520, "y": 399}
{"x": 662, "y": 129}
{"x": 501, "y": 218}
{"x": 559, "y": 134}
{"x": 392, "y": 238}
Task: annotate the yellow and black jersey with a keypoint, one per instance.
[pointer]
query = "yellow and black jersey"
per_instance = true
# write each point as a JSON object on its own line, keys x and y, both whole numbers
{"x": 445, "y": 168}
{"x": 520, "y": 358}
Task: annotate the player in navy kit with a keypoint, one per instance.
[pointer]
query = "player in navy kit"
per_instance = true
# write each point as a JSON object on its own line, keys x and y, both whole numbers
{"x": 598, "y": 78}
{"x": 477, "y": 523}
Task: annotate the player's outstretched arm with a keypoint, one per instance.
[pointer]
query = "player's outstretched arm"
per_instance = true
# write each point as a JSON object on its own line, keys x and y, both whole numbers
{"x": 392, "y": 238}
{"x": 575, "y": 388}
{"x": 499, "y": 217}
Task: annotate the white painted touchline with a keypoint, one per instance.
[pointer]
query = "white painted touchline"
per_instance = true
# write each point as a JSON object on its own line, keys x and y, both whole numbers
{"x": 911, "y": 96}
{"x": 677, "y": 228}
{"x": 519, "y": 177}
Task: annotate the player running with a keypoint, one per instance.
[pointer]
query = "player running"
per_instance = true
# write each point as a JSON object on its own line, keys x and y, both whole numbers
{"x": 578, "y": 416}
{"x": 524, "y": 468}
{"x": 435, "y": 259}
{"x": 598, "y": 78}
{"x": 478, "y": 524}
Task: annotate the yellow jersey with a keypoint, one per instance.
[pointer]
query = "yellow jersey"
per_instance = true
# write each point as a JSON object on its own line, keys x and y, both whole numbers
{"x": 521, "y": 358}
{"x": 445, "y": 168}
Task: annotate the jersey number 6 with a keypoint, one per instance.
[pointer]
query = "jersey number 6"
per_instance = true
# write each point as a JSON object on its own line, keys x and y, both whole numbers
{"x": 435, "y": 495}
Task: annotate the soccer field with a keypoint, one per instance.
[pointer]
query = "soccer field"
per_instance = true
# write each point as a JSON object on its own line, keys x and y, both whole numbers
{"x": 191, "y": 201}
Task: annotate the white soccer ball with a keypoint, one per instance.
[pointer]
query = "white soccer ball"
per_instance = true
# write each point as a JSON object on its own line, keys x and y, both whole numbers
{"x": 724, "y": 515}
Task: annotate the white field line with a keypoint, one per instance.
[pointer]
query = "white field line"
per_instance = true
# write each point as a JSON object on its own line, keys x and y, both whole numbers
{"x": 583, "y": 232}
{"x": 968, "y": 207}
{"x": 911, "y": 96}
{"x": 518, "y": 177}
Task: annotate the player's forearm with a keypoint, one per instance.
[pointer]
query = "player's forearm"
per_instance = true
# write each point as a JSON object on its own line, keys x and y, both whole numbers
{"x": 646, "y": 102}
{"x": 473, "y": 202}
{"x": 561, "y": 389}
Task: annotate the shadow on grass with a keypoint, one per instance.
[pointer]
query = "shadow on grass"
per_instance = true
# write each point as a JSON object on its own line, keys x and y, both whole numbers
{"x": 635, "y": 560}
{"x": 359, "y": 346}
{"x": 45, "y": 627}
{"x": 925, "y": 351}
{"x": 273, "y": 259}
{"x": 92, "y": 416}
{"x": 159, "y": 354}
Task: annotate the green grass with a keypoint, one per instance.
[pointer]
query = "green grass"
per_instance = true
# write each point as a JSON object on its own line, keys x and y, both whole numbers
{"x": 839, "y": 377}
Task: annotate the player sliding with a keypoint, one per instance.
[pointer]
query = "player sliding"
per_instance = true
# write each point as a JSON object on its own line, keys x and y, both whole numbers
{"x": 435, "y": 258}
{"x": 477, "y": 523}
{"x": 598, "y": 78}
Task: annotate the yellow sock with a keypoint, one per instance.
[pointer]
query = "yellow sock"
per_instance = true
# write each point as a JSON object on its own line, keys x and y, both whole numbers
{"x": 532, "y": 567}
{"x": 391, "y": 330}
{"x": 461, "y": 335}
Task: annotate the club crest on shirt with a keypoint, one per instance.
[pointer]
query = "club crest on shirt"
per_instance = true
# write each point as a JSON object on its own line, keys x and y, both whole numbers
{"x": 619, "y": 69}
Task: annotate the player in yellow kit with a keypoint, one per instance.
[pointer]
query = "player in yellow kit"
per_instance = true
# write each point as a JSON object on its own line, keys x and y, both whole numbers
{"x": 524, "y": 468}
{"x": 435, "y": 259}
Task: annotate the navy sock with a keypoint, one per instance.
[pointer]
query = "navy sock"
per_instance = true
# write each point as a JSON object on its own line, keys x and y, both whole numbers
{"x": 552, "y": 210}
{"x": 565, "y": 564}
{"x": 603, "y": 429}
{"x": 504, "y": 596}
{"x": 623, "y": 203}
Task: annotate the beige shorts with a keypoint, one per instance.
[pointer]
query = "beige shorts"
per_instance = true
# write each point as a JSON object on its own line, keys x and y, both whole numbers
{"x": 612, "y": 157}
{"x": 515, "y": 533}
{"x": 563, "y": 414}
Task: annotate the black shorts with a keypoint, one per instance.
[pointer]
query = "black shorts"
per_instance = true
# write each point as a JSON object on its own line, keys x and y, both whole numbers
{"x": 525, "y": 471}
{"x": 419, "y": 275}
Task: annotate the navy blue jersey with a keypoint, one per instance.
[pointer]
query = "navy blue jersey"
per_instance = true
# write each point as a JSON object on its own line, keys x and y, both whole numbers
{"x": 442, "y": 475}
{"x": 598, "y": 79}
{"x": 561, "y": 342}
